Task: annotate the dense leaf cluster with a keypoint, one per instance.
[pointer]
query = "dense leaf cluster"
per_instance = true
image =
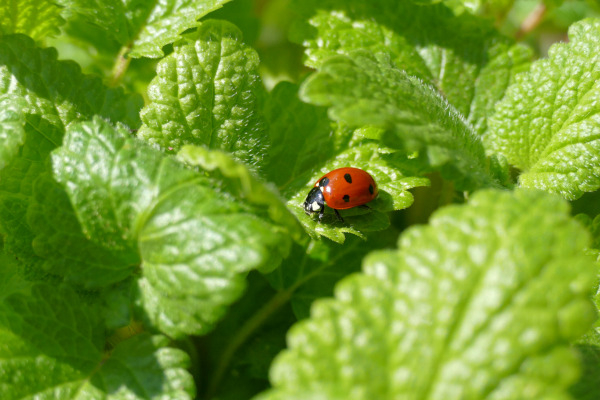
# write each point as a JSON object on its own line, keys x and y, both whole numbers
{"x": 153, "y": 242}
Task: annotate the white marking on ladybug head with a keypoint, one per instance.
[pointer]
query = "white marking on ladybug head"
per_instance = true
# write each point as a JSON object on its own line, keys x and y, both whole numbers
{"x": 315, "y": 206}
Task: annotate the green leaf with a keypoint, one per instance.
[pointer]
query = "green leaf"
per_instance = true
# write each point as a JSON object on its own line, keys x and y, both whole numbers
{"x": 12, "y": 130}
{"x": 51, "y": 347}
{"x": 547, "y": 125}
{"x": 55, "y": 94}
{"x": 208, "y": 92}
{"x": 166, "y": 22}
{"x": 366, "y": 89}
{"x": 196, "y": 243}
{"x": 37, "y": 19}
{"x": 236, "y": 178}
{"x": 143, "y": 27}
{"x": 471, "y": 67}
{"x": 461, "y": 310}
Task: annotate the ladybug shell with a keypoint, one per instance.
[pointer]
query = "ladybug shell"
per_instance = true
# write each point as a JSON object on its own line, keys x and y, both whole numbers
{"x": 345, "y": 188}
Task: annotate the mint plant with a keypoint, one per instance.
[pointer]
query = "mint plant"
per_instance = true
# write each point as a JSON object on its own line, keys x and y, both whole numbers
{"x": 154, "y": 161}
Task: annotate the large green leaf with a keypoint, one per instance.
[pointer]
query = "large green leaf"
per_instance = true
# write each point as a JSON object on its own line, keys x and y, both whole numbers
{"x": 53, "y": 94}
{"x": 51, "y": 347}
{"x": 196, "y": 242}
{"x": 208, "y": 92}
{"x": 366, "y": 89}
{"x": 479, "y": 304}
{"x": 548, "y": 124}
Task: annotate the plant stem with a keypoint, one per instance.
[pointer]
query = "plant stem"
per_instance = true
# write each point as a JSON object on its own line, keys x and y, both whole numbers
{"x": 243, "y": 334}
{"x": 532, "y": 20}
{"x": 120, "y": 67}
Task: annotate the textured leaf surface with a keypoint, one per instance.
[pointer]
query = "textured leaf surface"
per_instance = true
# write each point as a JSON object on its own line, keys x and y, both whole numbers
{"x": 143, "y": 26}
{"x": 34, "y": 18}
{"x": 461, "y": 310}
{"x": 55, "y": 94}
{"x": 168, "y": 19}
{"x": 195, "y": 243}
{"x": 12, "y": 128}
{"x": 208, "y": 92}
{"x": 51, "y": 348}
{"x": 367, "y": 90}
{"x": 548, "y": 124}
{"x": 471, "y": 67}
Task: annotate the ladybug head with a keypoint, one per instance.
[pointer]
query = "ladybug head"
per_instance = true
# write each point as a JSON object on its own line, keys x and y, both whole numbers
{"x": 314, "y": 201}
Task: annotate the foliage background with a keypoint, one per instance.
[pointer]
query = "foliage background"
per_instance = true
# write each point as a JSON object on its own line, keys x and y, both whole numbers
{"x": 154, "y": 157}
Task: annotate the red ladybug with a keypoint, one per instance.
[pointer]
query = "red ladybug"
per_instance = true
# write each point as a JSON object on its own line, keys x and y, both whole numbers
{"x": 341, "y": 189}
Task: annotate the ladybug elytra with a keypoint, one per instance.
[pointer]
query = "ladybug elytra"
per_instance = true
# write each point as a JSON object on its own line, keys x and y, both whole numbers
{"x": 341, "y": 189}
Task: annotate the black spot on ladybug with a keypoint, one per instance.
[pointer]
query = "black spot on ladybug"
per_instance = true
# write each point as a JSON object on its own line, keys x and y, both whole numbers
{"x": 346, "y": 198}
{"x": 324, "y": 182}
{"x": 348, "y": 178}
{"x": 371, "y": 189}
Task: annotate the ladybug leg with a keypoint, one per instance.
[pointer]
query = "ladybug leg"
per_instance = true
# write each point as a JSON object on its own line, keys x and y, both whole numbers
{"x": 364, "y": 206}
{"x": 321, "y": 213}
{"x": 338, "y": 215}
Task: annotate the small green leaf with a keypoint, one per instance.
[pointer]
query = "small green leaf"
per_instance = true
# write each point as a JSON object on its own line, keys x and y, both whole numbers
{"x": 393, "y": 195}
{"x": 37, "y": 19}
{"x": 196, "y": 243}
{"x": 166, "y": 21}
{"x": 548, "y": 125}
{"x": 51, "y": 347}
{"x": 461, "y": 310}
{"x": 12, "y": 128}
{"x": 208, "y": 92}
{"x": 144, "y": 27}
{"x": 366, "y": 89}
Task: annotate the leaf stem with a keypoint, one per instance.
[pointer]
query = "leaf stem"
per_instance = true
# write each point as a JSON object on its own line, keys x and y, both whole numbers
{"x": 121, "y": 65}
{"x": 258, "y": 319}
{"x": 243, "y": 334}
{"x": 532, "y": 20}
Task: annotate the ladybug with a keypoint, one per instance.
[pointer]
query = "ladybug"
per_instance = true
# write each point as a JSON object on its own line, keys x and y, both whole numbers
{"x": 341, "y": 189}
